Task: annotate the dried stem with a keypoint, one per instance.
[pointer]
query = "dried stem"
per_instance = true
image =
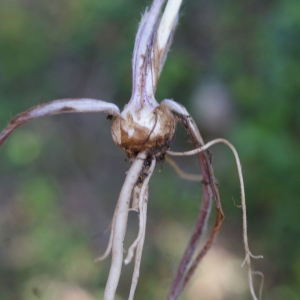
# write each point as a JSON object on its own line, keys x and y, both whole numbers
{"x": 187, "y": 266}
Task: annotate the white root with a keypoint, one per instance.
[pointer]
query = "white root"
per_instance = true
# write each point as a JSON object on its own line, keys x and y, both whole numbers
{"x": 137, "y": 201}
{"x": 142, "y": 214}
{"x": 139, "y": 242}
{"x": 249, "y": 255}
{"x": 108, "y": 248}
{"x": 140, "y": 199}
{"x": 120, "y": 224}
{"x": 138, "y": 254}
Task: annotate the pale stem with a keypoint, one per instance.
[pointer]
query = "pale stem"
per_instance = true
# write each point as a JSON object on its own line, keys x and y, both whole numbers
{"x": 120, "y": 226}
{"x": 165, "y": 35}
{"x": 152, "y": 43}
{"x": 59, "y": 107}
{"x": 142, "y": 67}
{"x": 167, "y": 23}
{"x": 139, "y": 242}
{"x": 243, "y": 201}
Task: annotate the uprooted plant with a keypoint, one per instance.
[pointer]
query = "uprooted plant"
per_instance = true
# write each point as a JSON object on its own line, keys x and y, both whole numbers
{"x": 145, "y": 130}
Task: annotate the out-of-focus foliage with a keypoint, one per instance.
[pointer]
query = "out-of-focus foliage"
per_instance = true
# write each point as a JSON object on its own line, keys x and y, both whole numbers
{"x": 234, "y": 64}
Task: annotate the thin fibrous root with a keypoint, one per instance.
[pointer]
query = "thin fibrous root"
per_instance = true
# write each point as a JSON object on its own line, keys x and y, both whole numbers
{"x": 243, "y": 202}
{"x": 139, "y": 208}
{"x": 181, "y": 173}
{"x": 261, "y": 283}
{"x": 142, "y": 215}
{"x": 108, "y": 248}
{"x": 251, "y": 255}
{"x": 120, "y": 225}
{"x": 143, "y": 201}
{"x": 138, "y": 254}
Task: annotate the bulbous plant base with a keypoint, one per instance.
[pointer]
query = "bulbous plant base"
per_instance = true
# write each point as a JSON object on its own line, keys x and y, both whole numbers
{"x": 151, "y": 132}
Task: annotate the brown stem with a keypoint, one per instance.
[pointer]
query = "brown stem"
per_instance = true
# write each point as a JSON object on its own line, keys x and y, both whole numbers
{"x": 187, "y": 265}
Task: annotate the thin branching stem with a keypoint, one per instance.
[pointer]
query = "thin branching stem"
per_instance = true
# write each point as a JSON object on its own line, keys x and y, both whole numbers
{"x": 139, "y": 248}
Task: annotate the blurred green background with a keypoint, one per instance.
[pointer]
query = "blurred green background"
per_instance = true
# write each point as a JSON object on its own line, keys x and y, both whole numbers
{"x": 234, "y": 64}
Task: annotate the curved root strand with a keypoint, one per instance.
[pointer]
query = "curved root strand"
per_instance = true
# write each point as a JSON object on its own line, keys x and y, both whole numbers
{"x": 119, "y": 228}
{"x": 108, "y": 248}
{"x": 243, "y": 203}
{"x": 139, "y": 242}
{"x": 181, "y": 173}
{"x": 142, "y": 225}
